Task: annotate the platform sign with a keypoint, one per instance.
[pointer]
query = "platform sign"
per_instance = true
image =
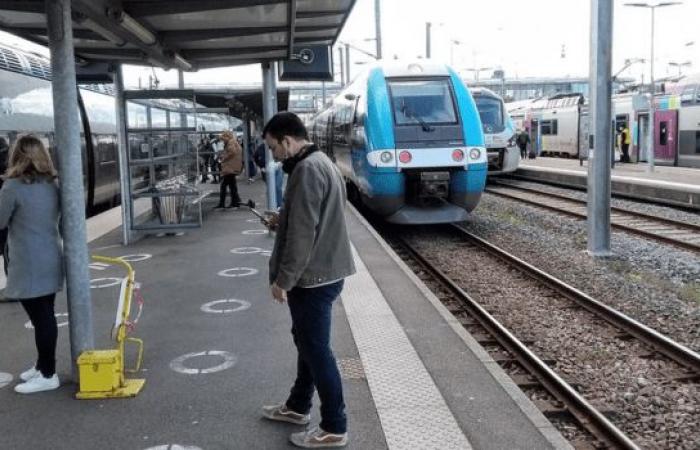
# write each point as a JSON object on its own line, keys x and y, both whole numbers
{"x": 309, "y": 63}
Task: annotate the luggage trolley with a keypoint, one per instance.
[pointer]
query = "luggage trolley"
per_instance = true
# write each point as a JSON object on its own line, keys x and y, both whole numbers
{"x": 102, "y": 371}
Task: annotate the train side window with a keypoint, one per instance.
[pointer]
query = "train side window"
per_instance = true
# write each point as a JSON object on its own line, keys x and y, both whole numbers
{"x": 546, "y": 127}
{"x": 688, "y": 95}
{"x": 697, "y": 96}
{"x": 697, "y": 142}
{"x": 555, "y": 127}
{"x": 663, "y": 133}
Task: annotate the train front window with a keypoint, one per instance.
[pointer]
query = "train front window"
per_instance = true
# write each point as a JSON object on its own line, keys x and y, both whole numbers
{"x": 491, "y": 113}
{"x": 422, "y": 102}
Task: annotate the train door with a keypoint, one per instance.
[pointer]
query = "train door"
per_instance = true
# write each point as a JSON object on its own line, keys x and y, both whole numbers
{"x": 665, "y": 139}
{"x": 535, "y": 137}
{"x": 642, "y": 137}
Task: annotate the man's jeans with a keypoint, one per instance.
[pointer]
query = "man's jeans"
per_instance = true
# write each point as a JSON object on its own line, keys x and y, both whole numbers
{"x": 316, "y": 366}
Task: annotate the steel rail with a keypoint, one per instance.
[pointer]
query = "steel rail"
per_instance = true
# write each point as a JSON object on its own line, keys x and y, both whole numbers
{"x": 664, "y": 345}
{"x": 587, "y": 415}
{"x": 648, "y": 234}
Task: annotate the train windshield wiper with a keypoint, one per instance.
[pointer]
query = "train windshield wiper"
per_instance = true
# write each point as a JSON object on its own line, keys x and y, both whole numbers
{"x": 408, "y": 113}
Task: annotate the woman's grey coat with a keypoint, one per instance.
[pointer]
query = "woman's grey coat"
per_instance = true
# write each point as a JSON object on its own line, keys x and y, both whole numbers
{"x": 31, "y": 211}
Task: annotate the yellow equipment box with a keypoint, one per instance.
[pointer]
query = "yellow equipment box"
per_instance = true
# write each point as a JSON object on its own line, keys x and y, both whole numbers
{"x": 100, "y": 370}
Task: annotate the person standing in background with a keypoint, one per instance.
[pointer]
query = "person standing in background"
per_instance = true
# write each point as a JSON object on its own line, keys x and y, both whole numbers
{"x": 231, "y": 165}
{"x": 625, "y": 144}
{"x": 30, "y": 209}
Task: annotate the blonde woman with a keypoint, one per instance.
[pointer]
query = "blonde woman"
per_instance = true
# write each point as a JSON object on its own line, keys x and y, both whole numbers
{"x": 30, "y": 209}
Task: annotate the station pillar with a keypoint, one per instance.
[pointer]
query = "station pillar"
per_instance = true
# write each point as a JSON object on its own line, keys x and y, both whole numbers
{"x": 600, "y": 125}
{"x": 269, "y": 110}
{"x": 123, "y": 152}
{"x": 68, "y": 151}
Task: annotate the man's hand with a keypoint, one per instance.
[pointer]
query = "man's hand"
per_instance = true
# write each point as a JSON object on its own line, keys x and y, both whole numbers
{"x": 272, "y": 220}
{"x": 279, "y": 294}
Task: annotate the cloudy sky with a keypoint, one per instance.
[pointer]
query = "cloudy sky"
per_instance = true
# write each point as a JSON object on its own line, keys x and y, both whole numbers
{"x": 533, "y": 38}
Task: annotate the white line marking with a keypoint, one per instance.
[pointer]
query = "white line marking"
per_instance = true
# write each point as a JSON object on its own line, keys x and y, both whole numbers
{"x": 246, "y": 250}
{"x": 238, "y": 272}
{"x": 178, "y": 365}
{"x": 242, "y": 305}
{"x": 255, "y": 232}
{"x": 135, "y": 258}
{"x": 5, "y": 379}
{"x": 98, "y": 266}
{"x": 28, "y": 325}
{"x": 104, "y": 282}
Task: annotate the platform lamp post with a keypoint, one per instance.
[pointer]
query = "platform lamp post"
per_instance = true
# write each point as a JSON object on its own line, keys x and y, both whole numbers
{"x": 651, "y": 138}
{"x": 680, "y": 66}
{"x": 476, "y": 71}
{"x": 378, "y": 27}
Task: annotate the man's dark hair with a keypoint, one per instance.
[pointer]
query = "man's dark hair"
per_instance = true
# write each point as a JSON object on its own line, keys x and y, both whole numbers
{"x": 285, "y": 124}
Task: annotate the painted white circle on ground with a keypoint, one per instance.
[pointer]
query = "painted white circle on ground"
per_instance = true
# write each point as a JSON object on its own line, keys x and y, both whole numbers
{"x": 178, "y": 364}
{"x": 255, "y": 232}
{"x": 253, "y": 220}
{"x": 174, "y": 447}
{"x": 135, "y": 258}
{"x": 266, "y": 253}
{"x": 99, "y": 283}
{"x": 240, "y": 306}
{"x": 28, "y": 325}
{"x": 246, "y": 250}
{"x": 5, "y": 379}
{"x": 238, "y": 272}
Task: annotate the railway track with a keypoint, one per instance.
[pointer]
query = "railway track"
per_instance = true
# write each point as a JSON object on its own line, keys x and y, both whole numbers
{"x": 487, "y": 330}
{"x": 680, "y": 234}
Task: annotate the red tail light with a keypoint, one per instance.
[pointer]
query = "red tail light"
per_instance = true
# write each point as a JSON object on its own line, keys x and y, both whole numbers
{"x": 405, "y": 157}
{"x": 457, "y": 155}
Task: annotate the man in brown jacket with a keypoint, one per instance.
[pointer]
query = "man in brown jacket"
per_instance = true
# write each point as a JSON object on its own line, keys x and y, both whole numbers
{"x": 231, "y": 159}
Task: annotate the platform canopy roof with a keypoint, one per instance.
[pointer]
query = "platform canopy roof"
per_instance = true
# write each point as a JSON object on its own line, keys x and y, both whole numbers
{"x": 185, "y": 34}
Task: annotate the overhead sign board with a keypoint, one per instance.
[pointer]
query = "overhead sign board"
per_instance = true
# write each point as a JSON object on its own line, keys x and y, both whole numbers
{"x": 308, "y": 63}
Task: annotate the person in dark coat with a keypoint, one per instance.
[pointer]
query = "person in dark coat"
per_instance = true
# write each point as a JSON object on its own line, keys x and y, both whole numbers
{"x": 523, "y": 140}
{"x": 30, "y": 209}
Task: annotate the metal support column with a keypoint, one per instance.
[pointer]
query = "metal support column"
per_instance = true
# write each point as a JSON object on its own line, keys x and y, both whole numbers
{"x": 342, "y": 66}
{"x": 347, "y": 63}
{"x": 600, "y": 123}
{"x": 123, "y": 145}
{"x": 68, "y": 150}
{"x": 246, "y": 145}
{"x": 269, "y": 110}
{"x": 651, "y": 138}
{"x": 378, "y": 26}
{"x": 427, "y": 40}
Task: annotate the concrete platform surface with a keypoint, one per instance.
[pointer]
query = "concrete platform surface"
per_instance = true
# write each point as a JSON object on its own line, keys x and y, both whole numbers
{"x": 218, "y": 347}
{"x": 679, "y": 186}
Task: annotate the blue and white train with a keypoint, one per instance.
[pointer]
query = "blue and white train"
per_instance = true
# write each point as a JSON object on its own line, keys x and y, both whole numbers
{"x": 499, "y": 132}
{"x": 408, "y": 139}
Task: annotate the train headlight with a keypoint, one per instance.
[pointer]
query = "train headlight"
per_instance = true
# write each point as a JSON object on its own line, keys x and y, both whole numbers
{"x": 386, "y": 157}
{"x": 405, "y": 157}
{"x": 457, "y": 155}
{"x": 475, "y": 153}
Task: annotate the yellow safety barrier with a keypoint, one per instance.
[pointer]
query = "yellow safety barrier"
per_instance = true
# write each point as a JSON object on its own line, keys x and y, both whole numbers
{"x": 102, "y": 371}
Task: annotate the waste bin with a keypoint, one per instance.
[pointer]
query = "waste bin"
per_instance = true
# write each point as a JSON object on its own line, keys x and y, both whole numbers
{"x": 170, "y": 208}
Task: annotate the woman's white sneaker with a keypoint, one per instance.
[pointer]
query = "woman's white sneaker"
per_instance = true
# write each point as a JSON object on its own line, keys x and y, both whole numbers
{"x": 28, "y": 374}
{"x": 38, "y": 384}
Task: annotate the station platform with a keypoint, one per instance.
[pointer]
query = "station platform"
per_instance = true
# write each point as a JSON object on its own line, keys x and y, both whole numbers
{"x": 217, "y": 347}
{"x": 677, "y": 186}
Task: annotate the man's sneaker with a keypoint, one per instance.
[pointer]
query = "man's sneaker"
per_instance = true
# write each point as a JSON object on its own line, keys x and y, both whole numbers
{"x": 282, "y": 414}
{"x": 317, "y": 438}
{"x": 38, "y": 384}
{"x": 28, "y": 374}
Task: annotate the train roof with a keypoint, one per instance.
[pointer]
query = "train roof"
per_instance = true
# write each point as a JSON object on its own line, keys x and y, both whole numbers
{"x": 485, "y": 92}
{"x": 410, "y": 68}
